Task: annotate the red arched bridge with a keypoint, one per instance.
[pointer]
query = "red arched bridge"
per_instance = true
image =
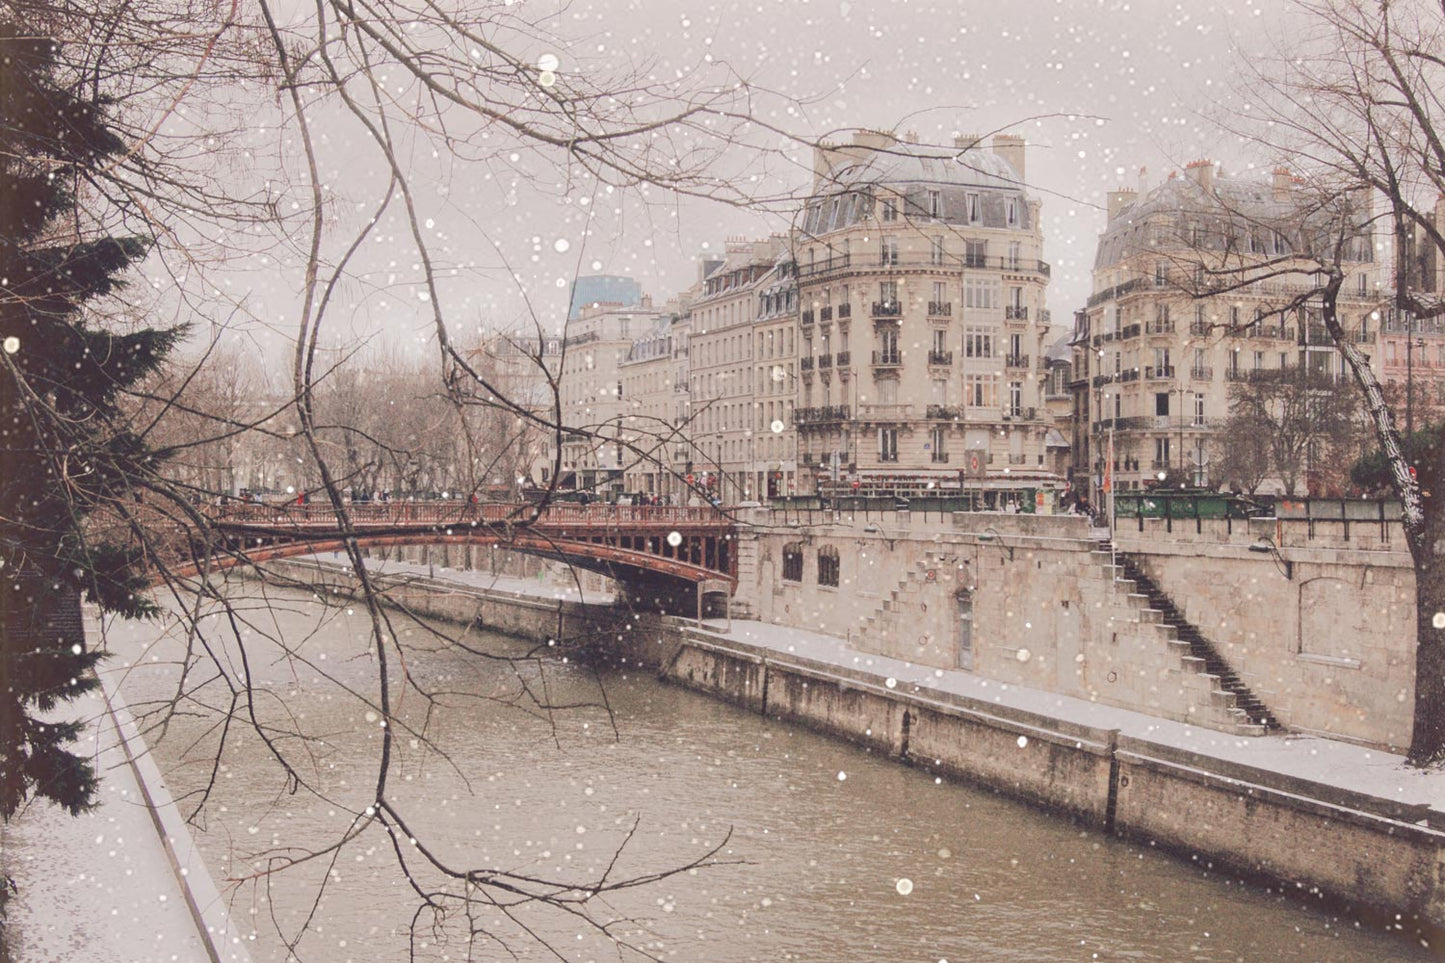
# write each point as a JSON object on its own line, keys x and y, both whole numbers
{"x": 637, "y": 545}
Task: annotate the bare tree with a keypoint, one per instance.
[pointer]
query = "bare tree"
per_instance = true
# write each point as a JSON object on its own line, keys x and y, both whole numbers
{"x": 1352, "y": 102}
{"x": 1292, "y": 424}
{"x": 378, "y": 87}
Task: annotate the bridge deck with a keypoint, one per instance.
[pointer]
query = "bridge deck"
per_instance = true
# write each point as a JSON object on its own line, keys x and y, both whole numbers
{"x": 694, "y": 544}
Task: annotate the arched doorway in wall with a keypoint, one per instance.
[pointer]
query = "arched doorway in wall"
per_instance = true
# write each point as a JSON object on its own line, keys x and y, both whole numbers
{"x": 963, "y": 608}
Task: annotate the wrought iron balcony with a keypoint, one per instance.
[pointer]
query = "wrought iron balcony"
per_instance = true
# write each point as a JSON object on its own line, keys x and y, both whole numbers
{"x": 1016, "y": 312}
{"x": 1202, "y": 374}
{"x": 845, "y": 311}
{"x": 887, "y": 359}
{"x": 887, "y": 309}
{"x": 940, "y": 309}
{"x": 843, "y": 358}
{"x": 940, "y": 458}
{"x": 805, "y": 364}
{"x": 825, "y": 314}
{"x": 1158, "y": 372}
{"x": 947, "y": 412}
{"x": 825, "y": 361}
{"x": 1016, "y": 361}
{"x": 807, "y": 316}
{"x": 940, "y": 357}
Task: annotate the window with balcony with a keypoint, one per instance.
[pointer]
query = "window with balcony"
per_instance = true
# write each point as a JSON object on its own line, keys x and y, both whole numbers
{"x": 1161, "y": 454}
{"x": 828, "y": 567}
{"x": 887, "y": 352}
{"x": 975, "y": 254}
{"x": 888, "y": 444}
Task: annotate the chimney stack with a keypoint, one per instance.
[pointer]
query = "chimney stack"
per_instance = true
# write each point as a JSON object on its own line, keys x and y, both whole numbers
{"x": 1120, "y": 199}
{"x": 1202, "y": 173}
{"x": 1011, "y": 148}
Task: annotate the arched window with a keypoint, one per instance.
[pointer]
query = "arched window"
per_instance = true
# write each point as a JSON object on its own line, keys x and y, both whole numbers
{"x": 793, "y": 562}
{"x": 828, "y": 566}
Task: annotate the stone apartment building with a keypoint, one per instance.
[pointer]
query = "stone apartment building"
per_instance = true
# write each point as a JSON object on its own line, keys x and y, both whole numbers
{"x": 654, "y": 392}
{"x": 722, "y": 373}
{"x": 923, "y": 325}
{"x": 597, "y": 344}
{"x": 1154, "y": 363}
{"x": 775, "y": 377}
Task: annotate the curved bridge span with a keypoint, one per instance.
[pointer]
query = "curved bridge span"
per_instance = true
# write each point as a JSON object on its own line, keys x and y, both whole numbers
{"x": 651, "y": 549}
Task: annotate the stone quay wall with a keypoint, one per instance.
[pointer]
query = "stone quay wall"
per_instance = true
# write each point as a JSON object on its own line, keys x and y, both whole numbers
{"x": 1378, "y": 855}
{"x": 1033, "y": 600}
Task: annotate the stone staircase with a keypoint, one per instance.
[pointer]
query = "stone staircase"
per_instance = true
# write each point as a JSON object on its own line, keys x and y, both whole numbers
{"x": 1196, "y": 653}
{"x": 885, "y": 619}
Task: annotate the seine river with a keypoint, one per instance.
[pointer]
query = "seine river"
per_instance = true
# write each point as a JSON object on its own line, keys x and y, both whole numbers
{"x": 828, "y": 853}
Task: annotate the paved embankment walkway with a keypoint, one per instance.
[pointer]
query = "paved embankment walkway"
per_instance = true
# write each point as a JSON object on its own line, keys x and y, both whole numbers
{"x": 121, "y": 883}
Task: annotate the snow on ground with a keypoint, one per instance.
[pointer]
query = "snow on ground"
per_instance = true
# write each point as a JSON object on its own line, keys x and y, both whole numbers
{"x": 1340, "y": 764}
{"x": 97, "y": 887}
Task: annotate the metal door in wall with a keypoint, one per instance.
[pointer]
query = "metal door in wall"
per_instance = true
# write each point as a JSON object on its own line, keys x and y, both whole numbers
{"x": 963, "y": 600}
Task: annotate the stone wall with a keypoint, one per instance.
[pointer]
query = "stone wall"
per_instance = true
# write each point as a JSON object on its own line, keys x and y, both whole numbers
{"x": 1331, "y": 648}
{"x": 1032, "y": 600}
{"x": 1019, "y": 598}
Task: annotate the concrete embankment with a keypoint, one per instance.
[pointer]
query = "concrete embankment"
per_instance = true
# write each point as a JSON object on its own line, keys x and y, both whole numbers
{"x": 1325, "y": 818}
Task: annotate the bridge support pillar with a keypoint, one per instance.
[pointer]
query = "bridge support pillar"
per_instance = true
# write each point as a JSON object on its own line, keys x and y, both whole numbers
{"x": 746, "y": 595}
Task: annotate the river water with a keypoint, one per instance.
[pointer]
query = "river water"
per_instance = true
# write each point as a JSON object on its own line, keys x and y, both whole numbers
{"x": 828, "y": 853}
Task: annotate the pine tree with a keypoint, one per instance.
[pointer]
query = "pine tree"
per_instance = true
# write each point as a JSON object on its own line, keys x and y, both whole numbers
{"x": 65, "y": 451}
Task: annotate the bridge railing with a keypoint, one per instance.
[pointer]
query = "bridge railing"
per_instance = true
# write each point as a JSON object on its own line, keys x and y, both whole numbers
{"x": 374, "y": 514}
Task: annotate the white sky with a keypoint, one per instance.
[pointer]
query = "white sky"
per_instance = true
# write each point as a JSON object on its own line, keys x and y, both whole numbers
{"x": 1097, "y": 88}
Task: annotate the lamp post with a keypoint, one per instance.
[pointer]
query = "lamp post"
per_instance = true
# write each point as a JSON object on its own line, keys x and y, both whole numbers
{"x": 1409, "y": 375}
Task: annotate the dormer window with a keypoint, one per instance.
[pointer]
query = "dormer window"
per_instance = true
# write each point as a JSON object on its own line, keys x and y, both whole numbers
{"x": 1011, "y": 211}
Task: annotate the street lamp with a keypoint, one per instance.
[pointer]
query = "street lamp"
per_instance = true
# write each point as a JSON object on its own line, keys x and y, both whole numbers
{"x": 1266, "y": 546}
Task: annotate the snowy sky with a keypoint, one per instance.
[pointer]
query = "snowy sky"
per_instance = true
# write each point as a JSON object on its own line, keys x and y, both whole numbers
{"x": 1098, "y": 87}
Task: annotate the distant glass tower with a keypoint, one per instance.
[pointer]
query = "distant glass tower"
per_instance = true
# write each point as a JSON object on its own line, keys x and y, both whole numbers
{"x": 612, "y": 289}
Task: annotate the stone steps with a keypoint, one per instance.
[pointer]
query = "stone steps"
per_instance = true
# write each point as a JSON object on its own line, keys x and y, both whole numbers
{"x": 1200, "y": 657}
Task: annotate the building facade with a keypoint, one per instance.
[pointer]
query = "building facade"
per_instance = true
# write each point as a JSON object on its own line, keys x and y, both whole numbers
{"x": 923, "y": 323}
{"x": 722, "y": 386}
{"x": 1157, "y": 355}
{"x": 597, "y": 445}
